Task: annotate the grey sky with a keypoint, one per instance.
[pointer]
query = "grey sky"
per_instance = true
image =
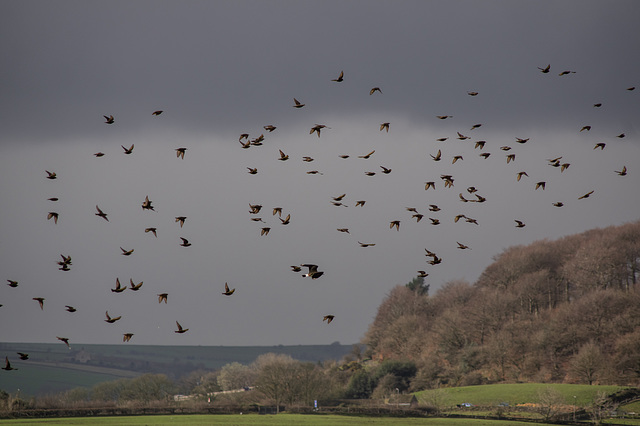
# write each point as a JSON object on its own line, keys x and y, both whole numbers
{"x": 219, "y": 69}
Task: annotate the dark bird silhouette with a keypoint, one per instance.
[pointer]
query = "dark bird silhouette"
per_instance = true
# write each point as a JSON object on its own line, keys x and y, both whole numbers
{"x": 99, "y": 154}
{"x": 70, "y": 308}
{"x": 366, "y": 244}
{"x": 53, "y": 199}
{"x": 346, "y": 230}
{"x": 317, "y": 128}
{"x": 227, "y": 291}
{"x": 265, "y": 231}
{"x": 127, "y": 337}
{"x": 12, "y": 283}
{"x": 444, "y": 117}
{"x": 109, "y": 119}
{"x": 180, "y": 330}
{"x": 520, "y": 174}
{"x": 462, "y": 246}
{"x": 428, "y": 185}
{"x": 472, "y": 93}
{"x": 51, "y": 175}
{"x": 283, "y": 156}
{"x": 598, "y": 105}
{"x": 566, "y": 72}
{"x": 622, "y": 172}
{"x": 146, "y": 204}
{"x": 600, "y": 145}
{"x": 520, "y": 140}
{"x": 269, "y": 128}
{"x": 385, "y": 170}
{"x": 587, "y": 128}
{"x": 152, "y": 230}
{"x": 101, "y": 214}
{"x": 438, "y": 156}
{"x": 40, "y": 300}
{"x": 384, "y": 126}
{"x": 297, "y": 103}
{"x": 586, "y": 195}
{"x": 65, "y": 340}
{"x": 135, "y": 287}
{"x": 340, "y": 77}
{"x": 181, "y": 219}
{"x": 163, "y": 297}
{"x": 360, "y": 203}
{"x": 546, "y": 69}
{"x": 313, "y": 271}
{"x": 157, "y": 112}
{"x": 374, "y": 90}
{"x": 185, "y": 242}
{"x": 126, "y": 252}
{"x": 328, "y": 318}
{"x": 519, "y": 223}
{"x": 286, "y": 220}
{"x": 7, "y": 364}
{"x": 558, "y": 204}
{"x": 53, "y": 215}
{"x": 295, "y": 268}
{"x": 395, "y": 223}
{"x": 111, "y": 320}
{"x": 366, "y": 157}
{"x": 127, "y": 150}
{"x": 119, "y": 288}
{"x": 541, "y": 184}
{"x": 23, "y": 356}
{"x": 180, "y": 152}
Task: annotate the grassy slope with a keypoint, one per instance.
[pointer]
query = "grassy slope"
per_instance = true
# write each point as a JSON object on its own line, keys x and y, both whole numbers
{"x": 492, "y": 395}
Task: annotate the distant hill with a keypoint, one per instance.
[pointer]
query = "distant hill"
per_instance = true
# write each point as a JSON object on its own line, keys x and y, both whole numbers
{"x": 52, "y": 367}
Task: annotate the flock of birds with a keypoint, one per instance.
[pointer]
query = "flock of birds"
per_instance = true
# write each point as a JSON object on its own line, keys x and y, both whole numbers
{"x": 470, "y": 195}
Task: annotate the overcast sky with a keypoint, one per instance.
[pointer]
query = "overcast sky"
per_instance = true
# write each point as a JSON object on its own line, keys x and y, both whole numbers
{"x": 220, "y": 69}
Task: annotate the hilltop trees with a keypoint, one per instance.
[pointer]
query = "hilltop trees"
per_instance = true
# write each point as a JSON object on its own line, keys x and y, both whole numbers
{"x": 564, "y": 310}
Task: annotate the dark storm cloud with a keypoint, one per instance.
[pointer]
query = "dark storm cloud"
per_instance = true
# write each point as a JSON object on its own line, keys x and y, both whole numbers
{"x": 219, "y": 69}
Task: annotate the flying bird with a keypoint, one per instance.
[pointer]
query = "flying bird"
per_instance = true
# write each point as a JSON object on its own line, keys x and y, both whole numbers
{"x": 40, "y": 300}
{"x": 180, "y": 330}
{"x": 462, "y": 246}
{"x": 180, "y": 152}
{"x": 286, "y": 220}
{"x": 65, "y": 340}
{"x": 227, "y": 291}
{"x": 622, "y": 172}
{"x": 283, "y": 156}
{"x": 51, "y": 175}
{"x": 313, "y": 271}
{"x": 53, "y": 215}
{"x": 162, "y": 297}
{"x": 328, "y": 318}
{"x": 456, "y": 158}
{"x": 438, "y": 156}
{"x": 346, "y": 230}
{"x": 520, "y": 140}
{"x": 101, "y": 214}
{"x": 520, "y": 174}
{"x": 297, "y": 103}
{"x": 23, "y": 356}
{"x": 395, "y": 223}
{"x": 127, "y": 337}
{"x": 109, "y": 119}
{"x": 472, "y": 93}
{"x": 587, "y": 128}
{"x": 519, "y": 223}
{"x": 600, "y": 145}
{"x": 316, "y": 128}
{"x": 360, "y": 203}
{"x": 269, "y": 128}
{"x": 127, "y": 150}
{"x": 366, "y": 244}
{"x": 185, "y": 242}
{"x": 566, "y": 72}
{"x": 374, "y": 90}
{"x": 295, "y": 268}
{"x": 277, "y": 210}
{"x": 385, "y": 170}
{"x": 158, "y": 112}
{"x": 585, "y": 195}
{"x": 12, "y": 283}
{"x": 558, "y": 204}
{"x": 7, "y": 364}
{"x": 428, "y": 185}
{"x": 546, "y": 69}
{"x": 366, "y": 157}
{"x": 485, "y": 155}
{"x": 152, "y": 230}
{"x": 53, "y": 199}
{"x": 265, "y": 231}
{"x": 70, "y": 308}
{"x": 384, "y": 126}
{"x": 444, "y": 117}
{"x": 126, "y": 252}
{"x": 111, "y": 320}
{"x": 135, "y": 287}
{"x": 340, "y": 77}
{"x": 181, "y": 219}
{"x": 119, "y": 288}
{"x": 146, "y": 204}
{"x": 541, "y": 184}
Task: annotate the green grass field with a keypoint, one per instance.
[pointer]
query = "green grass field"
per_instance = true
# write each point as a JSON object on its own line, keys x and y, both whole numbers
{"x": 513, "y": 394}
{"x": 255, "y": 419}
